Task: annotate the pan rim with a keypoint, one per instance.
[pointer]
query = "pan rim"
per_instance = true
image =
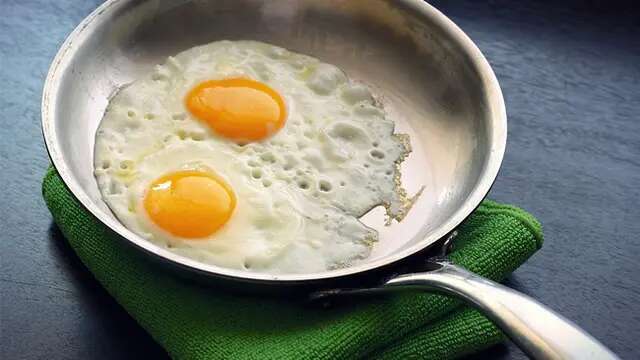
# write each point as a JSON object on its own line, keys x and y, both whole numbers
{"x": 498, "y": 134}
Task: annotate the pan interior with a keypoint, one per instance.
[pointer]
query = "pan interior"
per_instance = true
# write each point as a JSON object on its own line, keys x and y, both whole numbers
{"x": 431, "y": 79}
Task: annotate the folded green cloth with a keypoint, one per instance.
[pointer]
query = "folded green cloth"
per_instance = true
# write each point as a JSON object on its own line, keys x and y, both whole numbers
{"x": 195, "y": 322}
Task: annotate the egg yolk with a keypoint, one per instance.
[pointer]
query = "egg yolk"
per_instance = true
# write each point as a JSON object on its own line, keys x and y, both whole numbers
{"x": 189, "y": 204}
{"x": 239, "y": 109}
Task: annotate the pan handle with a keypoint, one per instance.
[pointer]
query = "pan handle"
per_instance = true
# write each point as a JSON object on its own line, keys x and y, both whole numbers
{"x": 539, "y": 331}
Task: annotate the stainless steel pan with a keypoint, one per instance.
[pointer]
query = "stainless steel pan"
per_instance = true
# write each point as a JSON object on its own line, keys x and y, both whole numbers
{"x": 428, "y": 73}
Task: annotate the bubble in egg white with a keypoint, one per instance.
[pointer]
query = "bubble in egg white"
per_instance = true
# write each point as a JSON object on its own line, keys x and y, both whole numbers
{"x": 325, "y": 79}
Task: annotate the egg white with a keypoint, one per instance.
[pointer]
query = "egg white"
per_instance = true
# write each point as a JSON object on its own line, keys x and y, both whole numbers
{"x": 299, "y": 193}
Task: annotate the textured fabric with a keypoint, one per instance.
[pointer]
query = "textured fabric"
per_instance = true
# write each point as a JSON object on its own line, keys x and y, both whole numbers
{"x": 195, "y": 322}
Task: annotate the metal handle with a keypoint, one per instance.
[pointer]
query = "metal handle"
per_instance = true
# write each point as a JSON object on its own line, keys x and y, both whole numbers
{"x": 537, "y": 330}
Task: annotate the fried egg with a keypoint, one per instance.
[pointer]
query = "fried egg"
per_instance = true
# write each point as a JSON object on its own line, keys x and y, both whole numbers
{"x": 246, "y": 155}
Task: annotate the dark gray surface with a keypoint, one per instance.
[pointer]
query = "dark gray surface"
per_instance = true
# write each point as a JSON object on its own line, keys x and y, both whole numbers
{"x": 570, "y": 73}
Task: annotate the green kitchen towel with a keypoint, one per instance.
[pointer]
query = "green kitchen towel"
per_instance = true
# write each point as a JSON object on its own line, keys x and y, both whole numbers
{"x": 195, "y": 322}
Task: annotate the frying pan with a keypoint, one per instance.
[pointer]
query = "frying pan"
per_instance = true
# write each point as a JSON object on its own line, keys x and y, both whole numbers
{"x": 429, "y": 75}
